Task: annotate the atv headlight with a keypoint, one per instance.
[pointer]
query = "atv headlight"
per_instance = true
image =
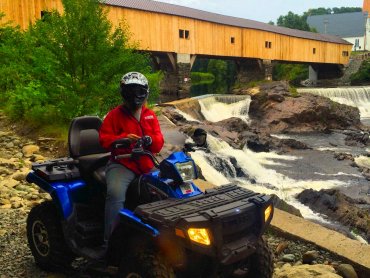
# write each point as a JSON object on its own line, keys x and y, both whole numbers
{"x": 186, "y": 170}
{"x": 199, "y": 235}
{"x": 268, "y": 212}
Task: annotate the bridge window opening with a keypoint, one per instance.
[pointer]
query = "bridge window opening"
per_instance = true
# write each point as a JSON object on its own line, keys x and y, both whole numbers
{"x": 232, "y": 40}
{"x": 268, "y": 44}
{"x": 345, "y": 53}
{"x": 314, "y": 50}
{"x": 187, "y": 34}
{"x": 184, "y": 34}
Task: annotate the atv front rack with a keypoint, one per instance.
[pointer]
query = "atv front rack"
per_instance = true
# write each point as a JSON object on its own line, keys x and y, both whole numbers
{"x": 234, "y": 216}
{"x": 211, "y": 204}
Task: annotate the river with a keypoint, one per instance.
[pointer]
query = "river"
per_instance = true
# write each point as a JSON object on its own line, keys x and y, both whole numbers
{"x": 285, "y": 175}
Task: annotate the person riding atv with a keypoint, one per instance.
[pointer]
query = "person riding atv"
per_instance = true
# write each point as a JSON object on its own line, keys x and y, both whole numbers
{"x": 132, "y": 120}
{"x": 167, "y": 226}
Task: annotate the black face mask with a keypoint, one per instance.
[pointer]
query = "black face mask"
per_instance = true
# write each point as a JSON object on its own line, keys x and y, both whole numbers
{"x": 134, "y": 95}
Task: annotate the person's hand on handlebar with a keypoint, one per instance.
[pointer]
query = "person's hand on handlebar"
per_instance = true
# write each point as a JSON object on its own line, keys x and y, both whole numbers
{"x": 133, "y": 137}
{"x": 147, "y": 140}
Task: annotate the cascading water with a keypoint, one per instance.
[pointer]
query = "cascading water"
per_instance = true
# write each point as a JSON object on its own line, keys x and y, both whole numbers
{"x": 227, "y": 106}
{"x": 353, "y": 96}
{"x": 257, "y": 177}
{"x": 261, "y": 172}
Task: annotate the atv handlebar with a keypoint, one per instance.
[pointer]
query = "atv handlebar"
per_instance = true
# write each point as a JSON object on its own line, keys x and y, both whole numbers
{"x": 136, "y": 152}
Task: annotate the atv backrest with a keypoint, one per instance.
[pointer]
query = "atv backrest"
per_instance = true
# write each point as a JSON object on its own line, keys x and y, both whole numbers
{"x": 83, "y": 137}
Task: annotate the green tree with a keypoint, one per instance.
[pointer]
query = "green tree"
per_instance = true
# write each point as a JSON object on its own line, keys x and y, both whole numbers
{"x": 75, "y": 62}
{"x": 362, "y": 77}
{"x": 346, "y": 10}
{"x": 294, "y": 73}
{"x": 294, "y": 21}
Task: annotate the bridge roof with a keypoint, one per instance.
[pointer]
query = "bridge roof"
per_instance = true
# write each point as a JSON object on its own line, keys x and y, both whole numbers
{"x": 171, "y": 9}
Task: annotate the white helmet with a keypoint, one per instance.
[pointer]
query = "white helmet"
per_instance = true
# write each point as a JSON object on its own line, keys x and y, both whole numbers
{"x": 134, "y": 77}
{"x": 134, "y": 89}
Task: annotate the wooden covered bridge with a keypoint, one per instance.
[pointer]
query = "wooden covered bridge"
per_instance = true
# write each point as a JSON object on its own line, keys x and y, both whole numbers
{"x": 177, "y": 35}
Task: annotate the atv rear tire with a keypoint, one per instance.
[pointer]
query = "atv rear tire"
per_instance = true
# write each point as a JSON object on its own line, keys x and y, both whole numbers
{"x": 145, "y": 265}
{"x": 261, "y": 262}
{"x": 45, "y": 238}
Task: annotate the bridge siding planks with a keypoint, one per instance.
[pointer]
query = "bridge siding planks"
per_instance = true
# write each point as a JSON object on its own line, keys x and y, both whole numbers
{"x": 160, "y": 32}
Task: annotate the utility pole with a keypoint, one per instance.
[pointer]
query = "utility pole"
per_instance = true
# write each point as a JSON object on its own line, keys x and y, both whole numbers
{"x": 326, "y": 22}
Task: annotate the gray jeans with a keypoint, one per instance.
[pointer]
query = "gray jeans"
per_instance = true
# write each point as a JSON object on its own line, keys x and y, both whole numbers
{"x": 118, "y": 179}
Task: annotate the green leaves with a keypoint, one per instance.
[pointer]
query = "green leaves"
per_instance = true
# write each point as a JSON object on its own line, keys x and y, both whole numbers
{"x": 67, "y": 65}
{"x": 293, "y": 21}
{"x": 362, "y": 77}
{"x": 295, "y": 73}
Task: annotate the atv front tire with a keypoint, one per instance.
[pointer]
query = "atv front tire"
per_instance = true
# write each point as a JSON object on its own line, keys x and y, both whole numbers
{"x": 145, "y": 265}
{"x": 45, "y": 238}
{"x": 261, "y": 264}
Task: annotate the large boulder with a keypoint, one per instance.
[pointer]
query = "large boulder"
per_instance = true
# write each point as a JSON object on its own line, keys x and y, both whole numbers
{"x": 277, "y": 108}
{"x": 339, "y": 207}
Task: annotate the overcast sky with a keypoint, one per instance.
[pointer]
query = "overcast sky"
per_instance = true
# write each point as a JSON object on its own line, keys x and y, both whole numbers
{"x": 262, "y": 10}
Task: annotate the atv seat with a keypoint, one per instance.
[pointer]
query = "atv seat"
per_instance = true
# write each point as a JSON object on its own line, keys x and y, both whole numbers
{"x": 84, "y": 146}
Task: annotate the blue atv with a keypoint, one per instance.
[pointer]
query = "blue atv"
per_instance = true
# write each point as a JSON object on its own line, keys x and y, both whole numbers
{"x": 168, "y": 228}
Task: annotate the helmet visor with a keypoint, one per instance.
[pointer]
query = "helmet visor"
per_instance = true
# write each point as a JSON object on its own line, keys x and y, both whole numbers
{"x": 135, "y": 94}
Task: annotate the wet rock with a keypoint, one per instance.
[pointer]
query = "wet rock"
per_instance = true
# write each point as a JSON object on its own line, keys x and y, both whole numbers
{"x": 346, "y": 271}
{"x": 343, "y": 156}
{"x": 281, "y": 204}
{"x": 300, "y": 114}
{"x": 357, "y": 138}
{"x": 294, "y": 144}
{"x": 338, "y": 207}
{"x": 310, "y": 256}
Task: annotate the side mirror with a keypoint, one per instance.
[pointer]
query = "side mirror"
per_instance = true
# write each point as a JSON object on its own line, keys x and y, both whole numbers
{"x": 200, "y": 137}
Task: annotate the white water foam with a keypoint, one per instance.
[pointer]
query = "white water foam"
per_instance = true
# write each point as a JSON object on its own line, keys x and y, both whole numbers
{"x": 187, "y": 116}
{"x": 268, "y": 181}
{"x": 218, "y": 108}
{"x": 353, "y": 96}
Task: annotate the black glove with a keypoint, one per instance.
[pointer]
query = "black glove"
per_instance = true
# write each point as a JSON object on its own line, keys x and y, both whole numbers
{"x": 147, "y": 141}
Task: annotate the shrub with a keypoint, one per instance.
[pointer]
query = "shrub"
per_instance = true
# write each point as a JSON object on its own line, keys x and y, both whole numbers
{"x": 363, "y": 75}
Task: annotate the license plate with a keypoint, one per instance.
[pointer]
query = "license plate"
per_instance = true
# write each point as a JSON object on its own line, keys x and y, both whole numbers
{"x": 186, "y": 188}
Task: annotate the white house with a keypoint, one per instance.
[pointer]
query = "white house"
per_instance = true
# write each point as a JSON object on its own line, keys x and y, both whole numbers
{"x": 353, "y": 27}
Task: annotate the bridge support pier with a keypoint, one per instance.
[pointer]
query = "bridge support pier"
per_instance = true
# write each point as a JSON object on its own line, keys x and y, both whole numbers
{"x": 249, "y": 70}
{"x": 176, "y": 67}
{"x": 183, "y": 74}
{"x": 313, "y": 73}
{"x": 253, "y": 69}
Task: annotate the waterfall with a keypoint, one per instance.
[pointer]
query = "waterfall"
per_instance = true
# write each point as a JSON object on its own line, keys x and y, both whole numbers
{"x": 259, "y": 178}
{"x": 353, "y": 96}
{"x": 220, "y": 107}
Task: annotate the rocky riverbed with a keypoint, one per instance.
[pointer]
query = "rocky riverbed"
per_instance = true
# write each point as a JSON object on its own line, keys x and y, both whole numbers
{"x": 17, "y": 197}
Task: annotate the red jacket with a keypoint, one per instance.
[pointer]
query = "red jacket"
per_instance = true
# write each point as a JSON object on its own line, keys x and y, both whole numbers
{"x": 119, "y": 123}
